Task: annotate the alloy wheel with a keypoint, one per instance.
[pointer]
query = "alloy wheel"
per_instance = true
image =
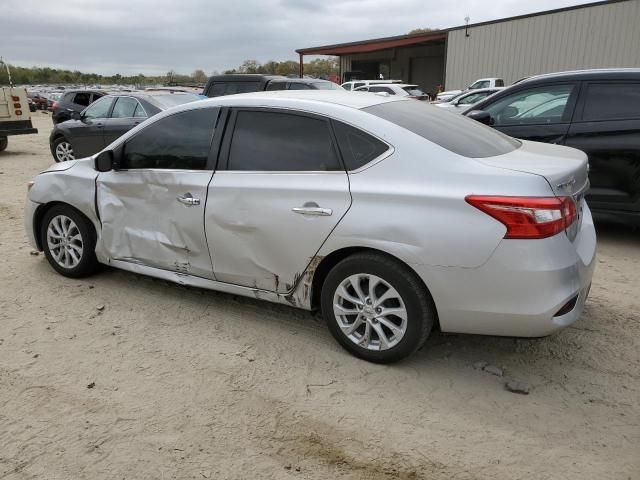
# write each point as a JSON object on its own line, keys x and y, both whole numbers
{"x": 370, "y": 312}
{"x": 65, "y": 241}
{"x": 64, "y": 152}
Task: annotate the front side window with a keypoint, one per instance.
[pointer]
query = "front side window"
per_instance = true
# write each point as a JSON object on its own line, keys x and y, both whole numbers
{"x": 357, "y": 147}
{"x": 274, "y": 141}
{"x": 347, "y": 86}
{"x": 414, "y": 91}
{"x": 540, "y": 105}
{"x": 611, "y": 101}
{"x": 96, "y": 96}
{"x": 99, "y": 109}
{"x": 456, "y": 133}
{"x": 180, "y": 141}
{"x": 125, "y": 107}
{"x": 231, "y": 88}
{"x": 357, "y": 85}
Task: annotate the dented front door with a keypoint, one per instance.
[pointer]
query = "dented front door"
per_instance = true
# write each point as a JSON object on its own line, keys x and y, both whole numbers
{"x": 156, "y": 218}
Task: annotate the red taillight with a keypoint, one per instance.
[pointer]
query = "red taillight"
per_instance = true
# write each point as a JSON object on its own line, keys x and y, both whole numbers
{"x": 528, "y": 217}
{"x": 55, "y": 105}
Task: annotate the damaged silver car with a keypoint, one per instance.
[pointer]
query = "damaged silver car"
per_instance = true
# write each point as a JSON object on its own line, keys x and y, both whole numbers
{"x": 389, "y": 215}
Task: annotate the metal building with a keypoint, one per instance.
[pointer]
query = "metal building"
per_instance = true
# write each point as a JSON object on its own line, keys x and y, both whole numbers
{"x": 595, "y": 35}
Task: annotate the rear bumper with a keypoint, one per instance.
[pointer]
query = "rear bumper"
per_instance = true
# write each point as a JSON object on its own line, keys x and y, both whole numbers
{"x": 17, "y": 127}
{"x": 520, "y": 289}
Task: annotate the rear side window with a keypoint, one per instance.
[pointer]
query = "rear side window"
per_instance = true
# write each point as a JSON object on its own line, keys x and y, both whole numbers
{"x": 231, "y": 88}
{"x": 83, "y": 99}
{"x": 357, "y": 147}
{"x": 456, "y": 133}
{"x": 181, "y": 141}
{"x": 277, "y": 86}
{"x": 273, "y": 141}
{"x": 499, "y": 83}
{"x": 299, "y": 86}
{"x": 413, "y": 91}
{"x": 612, "y": 101}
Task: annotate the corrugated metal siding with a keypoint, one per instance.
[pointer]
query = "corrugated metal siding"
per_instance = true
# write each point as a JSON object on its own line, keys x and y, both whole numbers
{"x": 593, "y": 37}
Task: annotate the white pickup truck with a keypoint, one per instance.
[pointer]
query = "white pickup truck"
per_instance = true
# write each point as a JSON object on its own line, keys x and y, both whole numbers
{"x": 480, "y": 83}
{"x": 15, "y": 116}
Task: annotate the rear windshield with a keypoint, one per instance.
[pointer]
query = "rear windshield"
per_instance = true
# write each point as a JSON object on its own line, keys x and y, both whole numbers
{"x": 326, "y": 86}
{"x": 172, "y": 99}
{"x": 456, "y": 133}
{"x": 414, "y": 91}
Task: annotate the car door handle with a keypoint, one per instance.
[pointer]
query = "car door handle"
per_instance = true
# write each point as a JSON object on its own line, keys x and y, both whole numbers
{"x": 317, "y": 211}
{"x": 188, "y": 200}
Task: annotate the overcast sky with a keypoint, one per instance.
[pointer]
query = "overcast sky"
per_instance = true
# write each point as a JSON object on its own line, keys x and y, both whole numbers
{"x": 154, "y": 36}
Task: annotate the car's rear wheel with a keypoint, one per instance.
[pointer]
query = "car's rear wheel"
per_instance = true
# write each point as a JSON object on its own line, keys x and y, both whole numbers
{"x": 69, "y": 241}
{"x": 62, "y": 150}
{"x": 377, "y": 308}
{"x": 4, "y": 141}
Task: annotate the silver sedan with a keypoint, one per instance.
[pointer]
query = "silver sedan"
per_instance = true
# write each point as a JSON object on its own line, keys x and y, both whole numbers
{"x": 389, "y": 215}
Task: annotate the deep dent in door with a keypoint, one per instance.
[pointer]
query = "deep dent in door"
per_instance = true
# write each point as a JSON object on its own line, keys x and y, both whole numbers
{"x": 142, "y": 242}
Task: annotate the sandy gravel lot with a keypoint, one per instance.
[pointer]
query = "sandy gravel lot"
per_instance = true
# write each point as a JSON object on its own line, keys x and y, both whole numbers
{"x": 192, "y": 384}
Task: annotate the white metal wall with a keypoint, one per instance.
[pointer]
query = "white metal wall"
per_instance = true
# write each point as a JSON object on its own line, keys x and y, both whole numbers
{"x": 593, "y": 37}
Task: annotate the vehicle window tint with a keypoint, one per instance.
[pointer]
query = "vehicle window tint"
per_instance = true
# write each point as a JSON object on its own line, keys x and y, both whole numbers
{"x": 613, "y": 101}
{"x": 140, "y": 112}
{"x": 83, "y": 99}
{"x": 181, "y": 141}
{"x": 481, "y": 84}
{"x": 99, "y": 109}
{"x": 359, "y": 84}
{"x": 346, "y": 86}
{"x": 277, "y": 86}
{"x": 473, "y": 98}
{"x": 456, "y": 133}
{"x": 96, "y": 96}
{"x": 499, "y": 83}
{"x": 357, "y": 147}
{"x": 299, "y": 86}
{"x": 271, "y": 141}
{"x": 124, "y": 107}
{"x": 231, "y": 88}
{"x": 382, "y": 89}
{"x": 540, "y": 105}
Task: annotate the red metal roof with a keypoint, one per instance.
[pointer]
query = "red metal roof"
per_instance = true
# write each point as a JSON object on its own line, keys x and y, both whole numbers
{"x": 375, "y": 44}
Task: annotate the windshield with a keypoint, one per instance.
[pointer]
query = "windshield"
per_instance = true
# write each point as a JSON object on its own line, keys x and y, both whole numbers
{"x": 456, "y": 133}
{"x": 172, "y": 99}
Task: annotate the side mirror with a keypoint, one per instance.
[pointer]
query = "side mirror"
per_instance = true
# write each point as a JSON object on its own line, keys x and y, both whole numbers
{"x": 76, "y": 115}
{"x": 104, "y": 161}
{"x": 481, "y": 116}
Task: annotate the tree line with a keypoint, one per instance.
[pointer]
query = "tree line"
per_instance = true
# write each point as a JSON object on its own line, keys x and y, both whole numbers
{"x": 48, "y": 75}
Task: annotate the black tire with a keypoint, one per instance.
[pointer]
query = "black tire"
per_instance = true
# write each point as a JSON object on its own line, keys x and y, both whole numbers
{"x": 54, "y": 149}
{"x": 87, "y": 263}
{"x": 419, "y": 306}
{"x": 4, "y": 141}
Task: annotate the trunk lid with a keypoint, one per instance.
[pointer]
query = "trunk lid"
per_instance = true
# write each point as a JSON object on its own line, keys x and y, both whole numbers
{"x": 565, "y": 169}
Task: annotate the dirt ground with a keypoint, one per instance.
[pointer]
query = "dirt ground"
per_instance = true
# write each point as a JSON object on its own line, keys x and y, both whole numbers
{"x": 169, "y": 382}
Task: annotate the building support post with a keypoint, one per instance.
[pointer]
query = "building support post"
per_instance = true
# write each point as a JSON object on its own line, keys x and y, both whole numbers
{"x": 301, "y": 72}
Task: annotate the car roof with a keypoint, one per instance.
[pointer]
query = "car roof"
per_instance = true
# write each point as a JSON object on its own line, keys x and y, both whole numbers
{"x": 301, "y": 97}
{"x": 243, "y": 77}
{"x": 592, "y": 74}
{"x": 300, "y": 80}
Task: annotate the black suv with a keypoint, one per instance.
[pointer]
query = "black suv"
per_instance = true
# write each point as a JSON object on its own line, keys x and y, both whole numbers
{"x": 73, "y": 101}
{"x": 596, "y": 111}
{"x": 220, "y": 85}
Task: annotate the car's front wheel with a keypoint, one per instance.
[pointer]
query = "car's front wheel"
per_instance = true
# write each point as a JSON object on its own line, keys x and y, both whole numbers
{"x": 4, "y": 142}
{"x": 69, "y": 241}
{"x": 62, "y": 150}
{"x": 377, "y": 308}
